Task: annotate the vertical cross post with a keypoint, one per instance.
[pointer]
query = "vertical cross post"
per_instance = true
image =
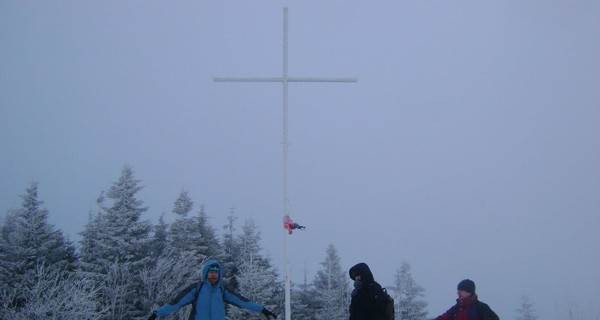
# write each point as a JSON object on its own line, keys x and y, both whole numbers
{"x": 285, "y": 79}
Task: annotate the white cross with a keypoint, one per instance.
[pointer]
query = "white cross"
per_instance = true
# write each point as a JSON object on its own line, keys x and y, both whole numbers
{"x": 285, "y": 80}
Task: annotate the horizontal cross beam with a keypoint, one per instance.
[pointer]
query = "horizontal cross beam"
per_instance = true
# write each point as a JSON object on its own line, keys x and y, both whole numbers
{"x": 280, "y": 79}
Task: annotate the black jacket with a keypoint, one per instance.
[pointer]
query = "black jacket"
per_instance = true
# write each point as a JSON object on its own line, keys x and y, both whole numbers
{"x": 368, "y": 300}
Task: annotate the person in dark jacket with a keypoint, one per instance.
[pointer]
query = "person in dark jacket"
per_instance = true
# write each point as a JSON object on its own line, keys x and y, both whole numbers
{"x": 208, "y": 298}
{"x": 368, "y": 299}
{"x": 468, "y": 306}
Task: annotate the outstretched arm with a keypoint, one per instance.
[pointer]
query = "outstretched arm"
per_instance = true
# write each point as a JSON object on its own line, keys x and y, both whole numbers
{"x": 241, "y": 301}
{"x": 448, "y": 315}
{"x": 183, "y": 298}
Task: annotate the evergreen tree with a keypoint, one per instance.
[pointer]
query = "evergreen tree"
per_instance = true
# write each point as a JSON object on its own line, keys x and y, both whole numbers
{"x": 115, "y": 248}
{"x": 90, "y": 250}
{"x": 249, "y": 245}
{"x": 408, "y": 295}
{"x": 184, "y": 236}
{"x": 180, "y": 231}
{"x": 526, "y": 310}
{"x": 125, "y": 236}
{"x": 209, "y": 240}
{"x": 12, "y": 265}
{"x": 183, "y": 205}
{"x": 28, "y": 242}
{"x": 159, "y": 240}
{"x": 230, "y": 252}
{"x": 331, "y": 288}
{"x": 302, "y": 300}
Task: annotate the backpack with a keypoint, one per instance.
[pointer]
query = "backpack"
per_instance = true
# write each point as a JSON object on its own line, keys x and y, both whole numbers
{"x": 390, "y": 308}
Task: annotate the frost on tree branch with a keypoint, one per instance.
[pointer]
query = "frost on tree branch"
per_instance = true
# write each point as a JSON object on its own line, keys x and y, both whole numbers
{"x": 53, "y": 295}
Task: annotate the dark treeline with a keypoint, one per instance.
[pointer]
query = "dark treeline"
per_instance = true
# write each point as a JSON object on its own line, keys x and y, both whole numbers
{"x": 124, "y": 266}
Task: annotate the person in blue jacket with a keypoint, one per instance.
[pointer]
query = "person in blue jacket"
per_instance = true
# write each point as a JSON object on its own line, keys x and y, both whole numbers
{"x": 209, "y": 297}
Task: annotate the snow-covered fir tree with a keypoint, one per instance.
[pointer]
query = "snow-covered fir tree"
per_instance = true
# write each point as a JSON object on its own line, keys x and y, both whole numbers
{"x": 230, "y": 252}
{"x": 183, "y": 204}
{"x": 90, "y": 250}
{"x": 248, "y": 242}
{"x": 408, "y": 295}
{"x": 159, "y": 239}
{"x": 115, "y": 248}
{"x": 184, "y": 236}
{"x": 125, "y": 234}
{"x": 526, "y": 310}
{"x": 209, "y": 240}
{"x": 29, "y": 242}
{"x": 302, "y": 300}
{"x": 332, "y": 292}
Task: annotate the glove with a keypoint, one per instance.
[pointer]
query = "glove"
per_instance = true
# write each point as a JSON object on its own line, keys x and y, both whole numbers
{"x": 268, "y": 313}
{"x": 152, "y": 316}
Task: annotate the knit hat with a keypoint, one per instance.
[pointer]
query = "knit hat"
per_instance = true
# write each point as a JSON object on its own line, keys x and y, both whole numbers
{"x": 213, "y": 268}
{"x": 467, "y": 285}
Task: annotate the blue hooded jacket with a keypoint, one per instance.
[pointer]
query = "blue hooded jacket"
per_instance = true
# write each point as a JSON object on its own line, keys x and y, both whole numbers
{"x": 210, "y": 304}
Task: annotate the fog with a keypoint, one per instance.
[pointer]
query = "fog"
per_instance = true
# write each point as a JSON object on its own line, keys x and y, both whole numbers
{"x": 469, "y": 147}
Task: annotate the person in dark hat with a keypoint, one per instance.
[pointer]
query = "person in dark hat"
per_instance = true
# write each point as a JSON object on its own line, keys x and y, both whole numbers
{"x": 368, "y": 300}
{"x": 468, "y": 306}
{"x": 208, "y": 298}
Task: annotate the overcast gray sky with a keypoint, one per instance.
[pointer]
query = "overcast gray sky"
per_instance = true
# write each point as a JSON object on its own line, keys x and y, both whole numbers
{"x": 469, "y": 147}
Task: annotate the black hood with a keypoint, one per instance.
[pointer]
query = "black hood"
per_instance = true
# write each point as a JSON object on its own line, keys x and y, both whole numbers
{"x": 361, "y": 269}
